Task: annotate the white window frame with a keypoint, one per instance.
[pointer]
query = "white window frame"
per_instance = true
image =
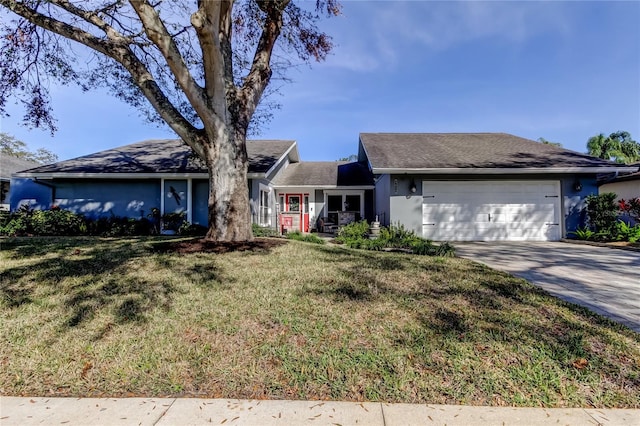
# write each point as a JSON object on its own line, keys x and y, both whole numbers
{"x": 264, "y": 208}
{"x": 188, "y": 201}
{"x": 344, "y": 193}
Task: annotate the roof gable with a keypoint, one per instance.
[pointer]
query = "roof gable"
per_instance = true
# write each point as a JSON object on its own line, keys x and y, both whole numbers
{"x": 164, "y": 156}
{"x": 470, "y": 151}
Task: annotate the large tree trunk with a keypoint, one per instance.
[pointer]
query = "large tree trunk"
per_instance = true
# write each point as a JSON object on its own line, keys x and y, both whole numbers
{"x": 229, "y": 212}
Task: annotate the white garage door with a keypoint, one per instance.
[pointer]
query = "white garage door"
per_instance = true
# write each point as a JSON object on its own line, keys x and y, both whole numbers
{"x": 491, "y": 211}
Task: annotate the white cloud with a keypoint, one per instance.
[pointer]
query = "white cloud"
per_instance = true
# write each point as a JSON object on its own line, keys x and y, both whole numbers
{"x": 373, "y": 35}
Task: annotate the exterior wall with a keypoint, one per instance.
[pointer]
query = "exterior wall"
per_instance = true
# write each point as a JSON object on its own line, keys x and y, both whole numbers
{"x": 624, "y": 190}
{"x": 95, "y": 198}
{"x": 382, "y": 199}
{"x": 255, "y": 186}
{"x": 574, "y": 202}
{"x": 36, "y": 194}
{"x": 200, "y": 202}
{"x": 406, "y": 207}
{"x": 279, "y": 167}
{"x": 319, "y": 206}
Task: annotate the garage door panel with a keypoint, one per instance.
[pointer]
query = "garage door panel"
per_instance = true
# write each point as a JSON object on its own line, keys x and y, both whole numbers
{"x": 488, "y": 210}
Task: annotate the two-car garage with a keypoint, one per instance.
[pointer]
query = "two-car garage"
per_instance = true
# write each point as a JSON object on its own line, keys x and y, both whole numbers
{"x": 491, "y": 210}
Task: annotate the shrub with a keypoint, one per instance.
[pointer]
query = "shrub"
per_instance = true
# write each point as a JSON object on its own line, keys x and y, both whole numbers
{"x": 173, "y": 221}
{"x": 26, "y": 221}
{"x": 602, "y": 212}
{"x": 626, "y": 232}
{"x": 117, "y": 226}
{"x": 583, "y": 234}
{"x": 631, "y": 207}
{"x": 57, "y": 222}
{"x": 427, "y": 248}
{"x": 307, "y": 238}
{"x": 397, "y": 236}
{"x": 353, "y": 231}
{"x": 263, "y": 231}
{"x": 355, "y": 235}
{"x": 192, "y": 229}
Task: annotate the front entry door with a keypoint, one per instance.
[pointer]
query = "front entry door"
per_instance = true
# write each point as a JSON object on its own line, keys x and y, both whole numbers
{"x": 297, "y": 208}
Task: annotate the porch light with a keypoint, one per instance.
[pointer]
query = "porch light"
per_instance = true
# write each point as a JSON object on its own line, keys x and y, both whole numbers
{"x": 412, "y": 187}
{"x": 577, "y": 186}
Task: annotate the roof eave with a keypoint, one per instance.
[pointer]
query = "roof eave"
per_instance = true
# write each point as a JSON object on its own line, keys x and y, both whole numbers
{"x": 295, "y": 157}
{"x": 499, "y": 170}
{"x": 325, "y": 186}
{"x": 75, "y": 175}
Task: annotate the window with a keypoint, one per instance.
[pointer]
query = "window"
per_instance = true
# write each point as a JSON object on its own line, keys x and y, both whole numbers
{"x": 344, "y": 206}
{"x": 306, "y": 204}
{"x": 334, "y": 203}
{"x": 294, "y": 203}
{"x": 352, "y": 203}
{"x": 264, "y": 208}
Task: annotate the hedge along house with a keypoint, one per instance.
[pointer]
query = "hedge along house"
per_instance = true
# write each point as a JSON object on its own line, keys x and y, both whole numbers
{"x": 480, "y": 186}
{"x": 132, "y": 180}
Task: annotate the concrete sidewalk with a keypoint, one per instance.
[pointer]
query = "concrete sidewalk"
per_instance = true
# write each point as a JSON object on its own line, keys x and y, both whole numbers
{"x": 185, "y": 411}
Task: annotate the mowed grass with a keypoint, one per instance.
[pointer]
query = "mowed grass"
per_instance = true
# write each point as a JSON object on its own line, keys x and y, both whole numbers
{"x": 110, "y": 317}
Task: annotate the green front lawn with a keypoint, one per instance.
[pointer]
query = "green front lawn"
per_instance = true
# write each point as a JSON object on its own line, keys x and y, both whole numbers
{"x": 110, "y": 317}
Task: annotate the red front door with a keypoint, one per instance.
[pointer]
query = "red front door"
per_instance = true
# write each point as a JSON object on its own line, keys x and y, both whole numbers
{"x": 297, "y": 205}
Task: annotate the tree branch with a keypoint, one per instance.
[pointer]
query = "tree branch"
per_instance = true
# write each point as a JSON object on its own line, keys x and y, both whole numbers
{"x": 159, "y": 35}
{"x": 260, "y": 72}
{"x": 212, "y": 22}
{"x": 120, "y": 52}
{"x": 92, "y": 18}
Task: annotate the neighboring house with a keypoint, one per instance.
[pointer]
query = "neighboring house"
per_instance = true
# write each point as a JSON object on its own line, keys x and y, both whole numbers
{"x": 8, "y": 166}
{"x": 456, "y": 186}
{"x": 480, "y": 186}
{"x": 625, "y": 186}
{"x": 134, "y": 179}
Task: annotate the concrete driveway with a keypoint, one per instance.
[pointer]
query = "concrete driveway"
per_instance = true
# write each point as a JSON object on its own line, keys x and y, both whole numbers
{"x": 605, "y": 280}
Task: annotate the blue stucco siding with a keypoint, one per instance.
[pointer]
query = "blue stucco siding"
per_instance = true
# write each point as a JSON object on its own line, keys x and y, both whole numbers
{"x": 35, "y": 194}
{"x": 574, "y": 202}
{"x": 382, "y": 199}
{"x": 95, "y": 198}
{"x": 200, "y": 188}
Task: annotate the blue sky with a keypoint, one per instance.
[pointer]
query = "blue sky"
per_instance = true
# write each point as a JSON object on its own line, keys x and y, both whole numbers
{"x": 563, "y": 71}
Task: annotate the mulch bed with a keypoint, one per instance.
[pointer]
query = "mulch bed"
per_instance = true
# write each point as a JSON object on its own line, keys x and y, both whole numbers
{"x": 204, "y": 246}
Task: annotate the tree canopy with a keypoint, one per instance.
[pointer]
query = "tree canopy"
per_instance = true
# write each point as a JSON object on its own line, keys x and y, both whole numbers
{"x": 9, "y": 145}
{"x": 618, "y": 147}
{"x": 201, "y": 67}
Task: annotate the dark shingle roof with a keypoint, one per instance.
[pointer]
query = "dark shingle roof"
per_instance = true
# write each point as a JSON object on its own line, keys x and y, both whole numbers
{"x": 10, "y": 164}
{"x": 162, "y": 156}
{"x": 468, "y": 150}
{"x": 325, "y": 173}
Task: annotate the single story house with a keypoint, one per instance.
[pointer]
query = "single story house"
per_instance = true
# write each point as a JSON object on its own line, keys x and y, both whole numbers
{"x": 8, "y": 166}
{"x": 625, "y": 186}
{"x": 443, "y": 186}
{"x": 480, "y": 186}
{"x": 132, "y": 180}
